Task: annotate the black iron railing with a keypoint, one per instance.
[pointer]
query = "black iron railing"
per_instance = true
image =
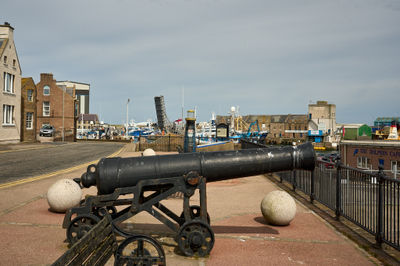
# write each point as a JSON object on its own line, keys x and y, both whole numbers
{"x": 369, "y": 200}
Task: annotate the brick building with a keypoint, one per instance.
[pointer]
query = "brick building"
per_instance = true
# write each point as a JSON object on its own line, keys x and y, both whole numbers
{"x": 10, "y": 87}
{"x": 368, "y": 155}
{"x": 56, "y": 107}
{"x": 296, "y": 127}
{"x": 28, "y": 110}
{"x": 87, "y": 122}
{"x": 276, "y": 127}
{"x": 281, "y": 128}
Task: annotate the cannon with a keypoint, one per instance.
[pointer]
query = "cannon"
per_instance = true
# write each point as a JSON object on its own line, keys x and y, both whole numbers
{"x": 138, "y": 184}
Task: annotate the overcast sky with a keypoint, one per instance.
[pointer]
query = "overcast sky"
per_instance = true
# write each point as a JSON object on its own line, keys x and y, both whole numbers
{"x": 267, "y": 57}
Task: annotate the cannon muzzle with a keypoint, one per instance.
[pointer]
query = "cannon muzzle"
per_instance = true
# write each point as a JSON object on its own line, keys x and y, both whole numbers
{"x": 112, "y": 173}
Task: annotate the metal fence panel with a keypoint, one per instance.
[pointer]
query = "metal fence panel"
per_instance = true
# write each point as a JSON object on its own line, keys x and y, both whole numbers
{"x": 370, "y": 200}
{"x": 359, "y": 197}
{"x": 391, "y": 212}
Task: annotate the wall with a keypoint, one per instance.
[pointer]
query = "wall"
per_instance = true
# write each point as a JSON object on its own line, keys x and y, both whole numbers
{"x": 350, "y": 133}
{"x": 58, "y": 102}
{"x": 323, "y": 114}
{"x": 373, "y": 150}
{"x": 10, "y": 133}
{"x": 229, "y": 146}
{"x": 28, "y": 135}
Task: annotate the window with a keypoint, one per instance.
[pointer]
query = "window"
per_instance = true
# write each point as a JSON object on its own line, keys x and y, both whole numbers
{"x": 29, "y": 120}
{"x": 395, "y": 166}
{"x": 364, "y": 162}
{"x": 5, "y": 59}
{"x": 30, "y": 95}
{"x": 8, "y": 82}
{"x": 46, "y": 108}
{"x": 46, "y": 90}
{"x": 14, "y": 62}
{"x": 8, "y": 114}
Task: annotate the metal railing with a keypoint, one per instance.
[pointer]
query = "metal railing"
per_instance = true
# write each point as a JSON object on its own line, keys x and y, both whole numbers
{"x": 369, "y": 200}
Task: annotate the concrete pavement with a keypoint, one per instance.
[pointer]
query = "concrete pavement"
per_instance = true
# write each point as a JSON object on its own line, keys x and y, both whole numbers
{"x": 32, "y": 235}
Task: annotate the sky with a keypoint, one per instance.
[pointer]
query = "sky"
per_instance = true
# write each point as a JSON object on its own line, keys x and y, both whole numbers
{"x": 266, "y": 57}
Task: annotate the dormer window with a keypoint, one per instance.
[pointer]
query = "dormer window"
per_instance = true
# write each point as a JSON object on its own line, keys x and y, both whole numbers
{"x": 46, "y": 90}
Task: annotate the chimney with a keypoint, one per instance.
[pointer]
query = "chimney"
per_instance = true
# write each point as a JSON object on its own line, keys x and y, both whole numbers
{"x": 46, "y": 76}
{"x": 7, "y": 25}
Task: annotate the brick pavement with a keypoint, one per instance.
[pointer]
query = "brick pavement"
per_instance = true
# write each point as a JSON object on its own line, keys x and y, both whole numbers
{"x": 32, "y": 235}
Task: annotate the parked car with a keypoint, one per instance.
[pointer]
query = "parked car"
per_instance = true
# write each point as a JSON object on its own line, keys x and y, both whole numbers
{"x": 47, "y": 131}
{"x": 328, "y": 162}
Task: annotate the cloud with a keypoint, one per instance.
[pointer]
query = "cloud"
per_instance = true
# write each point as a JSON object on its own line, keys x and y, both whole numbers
{"x": 267, "y": 57}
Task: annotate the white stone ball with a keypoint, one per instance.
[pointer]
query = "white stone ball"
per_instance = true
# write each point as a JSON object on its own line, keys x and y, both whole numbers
{"x": 149, "y": 152}
{"x": 278, "y": 208}
{"x": 63, "y": 195}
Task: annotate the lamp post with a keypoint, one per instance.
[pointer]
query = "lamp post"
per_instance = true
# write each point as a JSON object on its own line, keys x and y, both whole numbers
{"x": 62, "y": 135}
{"x": 127, "y": 123}
{"x": 82, "y": 125}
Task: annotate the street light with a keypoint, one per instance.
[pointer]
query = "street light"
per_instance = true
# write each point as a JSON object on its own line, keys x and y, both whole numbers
{"x": 127, "y": 123}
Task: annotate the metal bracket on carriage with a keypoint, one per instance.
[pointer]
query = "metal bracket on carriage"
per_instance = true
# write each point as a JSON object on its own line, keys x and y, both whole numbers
{"x": 192, "y": 178}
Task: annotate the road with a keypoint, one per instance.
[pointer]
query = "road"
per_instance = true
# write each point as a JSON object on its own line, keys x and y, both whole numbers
{"x": 23, "y": 163}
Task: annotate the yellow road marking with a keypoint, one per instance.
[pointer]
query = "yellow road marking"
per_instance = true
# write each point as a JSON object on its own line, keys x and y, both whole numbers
{"x": 27, "y": 149}
{"x": 40, "y": 177}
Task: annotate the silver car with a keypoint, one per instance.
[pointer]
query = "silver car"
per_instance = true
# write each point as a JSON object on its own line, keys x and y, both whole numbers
{"x": 46, "y": 131}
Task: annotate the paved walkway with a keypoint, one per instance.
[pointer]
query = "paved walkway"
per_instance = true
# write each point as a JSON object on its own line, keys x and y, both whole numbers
{"x": 32, "y": 235}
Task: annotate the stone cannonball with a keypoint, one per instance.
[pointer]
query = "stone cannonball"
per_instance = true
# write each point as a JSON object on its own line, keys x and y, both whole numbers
{"x": 149, "y": 152}
{"x": 278, "y": 208}
{"x": 63, "y": 195}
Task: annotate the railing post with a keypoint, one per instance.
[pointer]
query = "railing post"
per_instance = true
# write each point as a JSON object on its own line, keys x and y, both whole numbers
{"x": 312, "y": 194}
{"x": 169, "y": 142}
{"x": 139, "y": 140}
{"x": 379, "y": 222}
{"x": 338, "y": 209}
{"x": 294, "y": 183}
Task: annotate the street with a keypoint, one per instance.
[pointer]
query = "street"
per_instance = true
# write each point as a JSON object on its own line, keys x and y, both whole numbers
{"x": 19, "y": 164}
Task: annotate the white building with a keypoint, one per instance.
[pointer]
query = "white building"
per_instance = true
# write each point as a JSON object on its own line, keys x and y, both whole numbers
{"x": 81, "y": 92}
{"x": 322, "y": 120}
{"x": 10, "y": 86}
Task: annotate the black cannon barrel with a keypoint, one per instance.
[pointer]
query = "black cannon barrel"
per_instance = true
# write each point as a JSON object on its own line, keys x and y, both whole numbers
{"x": 112, "y": 173}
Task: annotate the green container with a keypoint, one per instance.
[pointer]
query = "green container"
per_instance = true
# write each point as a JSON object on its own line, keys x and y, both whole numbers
{"x": 364, "y": 132}
{"x": 350, "y": 133}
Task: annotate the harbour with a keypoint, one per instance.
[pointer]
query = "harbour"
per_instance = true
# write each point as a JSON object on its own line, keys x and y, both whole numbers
{"x": 199, "y": 133}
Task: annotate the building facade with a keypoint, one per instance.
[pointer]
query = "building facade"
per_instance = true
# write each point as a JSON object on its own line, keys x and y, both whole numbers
{"x": 81, "y": 92}
{"x": 281, "y": 128}
{"x": 296, "y": 127}
{"x": 87, "y": 122}
{"x": 28, "y": 110}
{"x": 322, "y": 121}
{"x": 56, "y": 107}
{"x": 10, "y": 85}
{"x": 355, "y": 131}
{"x": 368, "y": 155}
{"x": 382, "y": 122}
